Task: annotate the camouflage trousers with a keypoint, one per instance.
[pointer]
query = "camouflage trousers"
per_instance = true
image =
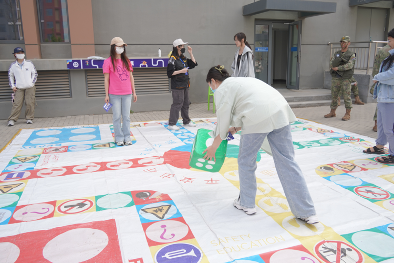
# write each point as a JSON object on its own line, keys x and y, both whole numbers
{"x": 341, "y": 87}
{"x": 354, "y": 87}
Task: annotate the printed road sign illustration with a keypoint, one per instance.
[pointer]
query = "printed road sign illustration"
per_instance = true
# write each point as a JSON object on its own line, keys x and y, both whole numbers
{"x": 159, "y": 201}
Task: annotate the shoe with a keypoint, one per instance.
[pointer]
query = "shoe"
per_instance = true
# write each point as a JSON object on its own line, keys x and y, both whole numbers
{"x": 347, "y": 115}
{"x": 311, "y": 220}
{"x": 128, "y": 143}
{"x": 249, "y": 211}
{"x": 190, "y": 124}
{"x": 331, "y": 114}
{"x": 173, "y": 127}
{"x": 29, "y": 121}
{"x": 358, "y": 101}
{"x": 120, "y": 143}
{"x": 11, "y": 123}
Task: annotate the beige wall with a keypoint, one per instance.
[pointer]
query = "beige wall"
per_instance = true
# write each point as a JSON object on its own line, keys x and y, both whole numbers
{"x": 81, "y": 28}
{"x": 31, "y": 30}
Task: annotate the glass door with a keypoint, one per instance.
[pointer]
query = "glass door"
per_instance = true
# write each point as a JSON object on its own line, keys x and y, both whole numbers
{"x": 293, "y": 55}
{"x": 261, "y": 54}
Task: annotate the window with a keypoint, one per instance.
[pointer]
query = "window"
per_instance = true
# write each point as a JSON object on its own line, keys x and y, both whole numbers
{"x": 10, "y": 15}
{"x": 53, "y": 30}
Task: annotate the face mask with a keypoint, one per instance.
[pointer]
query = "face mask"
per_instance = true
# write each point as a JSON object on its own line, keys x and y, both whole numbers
{"x": 213, "y": 91}
{"x": 20, "y": 56}
{"x": 183, "y": 50}
{"x": 119, "y": 50}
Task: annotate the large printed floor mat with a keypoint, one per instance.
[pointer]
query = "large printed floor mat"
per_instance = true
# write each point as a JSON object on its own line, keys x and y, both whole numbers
{"x": 69, "y": 194}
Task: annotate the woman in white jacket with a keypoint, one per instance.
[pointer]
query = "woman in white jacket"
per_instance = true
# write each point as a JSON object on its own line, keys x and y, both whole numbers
{"x": 243, "y": 64}
{"x": 264, "y": 116}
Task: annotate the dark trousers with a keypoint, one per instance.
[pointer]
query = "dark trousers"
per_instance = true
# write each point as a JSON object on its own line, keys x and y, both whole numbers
{"x": 180, "y": 102}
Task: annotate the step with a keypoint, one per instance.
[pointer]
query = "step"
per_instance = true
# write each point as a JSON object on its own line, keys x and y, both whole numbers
{"x": 306, "y": 98}
{"x": 310, "y": 103}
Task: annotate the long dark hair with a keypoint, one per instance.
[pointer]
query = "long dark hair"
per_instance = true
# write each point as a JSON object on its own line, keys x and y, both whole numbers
{"x": 240, "y": 36}
{"x": 218, "y": 73}
{"x": 175, "y": 53}
{"x": 387, "y": 63}
{"x": 124, "y": 58}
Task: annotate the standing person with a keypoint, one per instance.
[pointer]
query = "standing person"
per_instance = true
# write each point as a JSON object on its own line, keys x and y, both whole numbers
{"x": 22, "y": 76}
{"x": 261, "y": 112}
{"x": 119, "y": 85}
{"x": 243, "y": 64}
{"x": 380, "y": 56}
{"x": 178, "y": 70}
{"x": 384, "y": 92}
{"x": 342, "y": 69}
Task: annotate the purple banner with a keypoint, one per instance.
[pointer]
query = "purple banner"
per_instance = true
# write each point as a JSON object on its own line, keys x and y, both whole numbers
{"x": 98, "y": 64}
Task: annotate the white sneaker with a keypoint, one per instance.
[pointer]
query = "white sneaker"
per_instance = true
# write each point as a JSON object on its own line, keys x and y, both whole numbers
{"x": 190, "y": 124}
{"x": 249, "y": 211}
{"x": 11, "y": 123}
{"x": 128, "y": 143}
{"x": 29, "y": 121}
{"x": 173, "y": 127}
{"x": 120, "y": 143}
{"x": 311, "y": 220}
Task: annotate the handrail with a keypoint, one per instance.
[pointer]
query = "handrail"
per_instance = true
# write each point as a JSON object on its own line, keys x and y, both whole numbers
{"x": 362, "y": 52}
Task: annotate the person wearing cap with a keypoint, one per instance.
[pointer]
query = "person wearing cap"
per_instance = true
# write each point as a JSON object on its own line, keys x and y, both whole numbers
{"x": 119, "y": 86}
{"x": 342, "y": 70}
{"x": 177, "y": 70}
{"x": 22, "y": 76}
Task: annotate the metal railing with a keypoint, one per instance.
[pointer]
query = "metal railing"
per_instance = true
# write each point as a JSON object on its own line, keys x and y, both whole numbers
{"x": 365, "y": 52}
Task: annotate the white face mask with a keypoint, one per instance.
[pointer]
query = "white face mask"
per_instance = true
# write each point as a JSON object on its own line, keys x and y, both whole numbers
{"x": 20, "y": 56}
{"x": 119, "y": 50}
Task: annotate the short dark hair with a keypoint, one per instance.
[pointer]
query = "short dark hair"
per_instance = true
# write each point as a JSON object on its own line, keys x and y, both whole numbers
{"x": 391, "y": 33}
{"x": 218, "y": 73}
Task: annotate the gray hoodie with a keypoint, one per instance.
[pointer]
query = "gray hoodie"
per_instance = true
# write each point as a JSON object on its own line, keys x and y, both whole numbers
{"x": 246, "y": 64}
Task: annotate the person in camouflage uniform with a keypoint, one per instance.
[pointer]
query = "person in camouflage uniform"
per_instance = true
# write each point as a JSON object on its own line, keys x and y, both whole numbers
{"x": 342, "y": 69}
{"x": 380, "y": 56}
{"x": 354, "y": 91}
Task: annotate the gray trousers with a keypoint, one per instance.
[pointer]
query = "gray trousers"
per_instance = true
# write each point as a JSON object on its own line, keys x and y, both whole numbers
{"x": 291, "y": 176}
{"x": 180, "y": 102}
{"x": 385, "y": 125}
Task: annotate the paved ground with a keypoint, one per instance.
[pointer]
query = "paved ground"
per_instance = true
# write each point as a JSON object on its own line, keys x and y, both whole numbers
{"x": 361, "y": 119}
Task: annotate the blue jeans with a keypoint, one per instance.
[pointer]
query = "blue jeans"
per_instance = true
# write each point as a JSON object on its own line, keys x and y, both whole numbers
{"x": 288, "y": 171}
{"x": 385, "y": 125}
{"x": 121, "y": 107}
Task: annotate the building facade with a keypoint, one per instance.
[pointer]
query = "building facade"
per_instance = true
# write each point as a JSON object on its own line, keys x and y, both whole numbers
{"x": 289, "y": 39}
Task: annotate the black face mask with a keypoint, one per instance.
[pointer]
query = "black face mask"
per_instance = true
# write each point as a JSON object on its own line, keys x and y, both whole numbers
{"x": 183, "y": 50}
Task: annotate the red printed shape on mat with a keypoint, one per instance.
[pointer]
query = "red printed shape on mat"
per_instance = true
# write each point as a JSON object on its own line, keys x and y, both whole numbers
{"x": 167, "y": 231}
{"x": 148, "y": 197}
{"x": 347, "y": 167}
{"x": 89, "y": 242}
{"x": 55, "y": 150}
{"x": 178, "y": 159}
{"x": 33, "y": 212}
{"x": 296, "y": 254}
{"x": 137, "y": 260}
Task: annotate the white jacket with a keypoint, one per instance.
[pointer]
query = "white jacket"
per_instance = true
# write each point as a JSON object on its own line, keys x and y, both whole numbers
{"x": 22, "y": 77}
{"x": 246, "y": 64}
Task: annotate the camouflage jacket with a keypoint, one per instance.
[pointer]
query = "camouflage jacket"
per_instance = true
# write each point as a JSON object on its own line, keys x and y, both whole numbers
{"x": 345, "y": 62}
{"x": 381, "y": 55}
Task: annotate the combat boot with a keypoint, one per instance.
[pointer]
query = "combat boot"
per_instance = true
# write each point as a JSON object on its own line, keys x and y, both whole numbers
{"x": 358, "y": 101}
{"x": 331, "y": 114}
{"x": 338, "y": 101}
{"x": 375, "y": 126}
{"x": 347, "y": 116}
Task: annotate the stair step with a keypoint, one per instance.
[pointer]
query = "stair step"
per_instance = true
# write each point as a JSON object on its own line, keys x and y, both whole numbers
{"x": 310, "y": 103}
{"x": 308, "y": 98}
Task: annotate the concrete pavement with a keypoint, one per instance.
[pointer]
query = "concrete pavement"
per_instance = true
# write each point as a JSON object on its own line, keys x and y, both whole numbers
{"x": 361, "y": 121}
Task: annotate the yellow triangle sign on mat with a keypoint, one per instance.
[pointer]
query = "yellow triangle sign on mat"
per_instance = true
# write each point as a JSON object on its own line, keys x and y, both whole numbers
{"x": 159, "y": 211}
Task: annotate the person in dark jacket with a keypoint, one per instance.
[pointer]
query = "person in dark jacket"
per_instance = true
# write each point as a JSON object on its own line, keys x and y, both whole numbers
{"x": 178, "y": 70}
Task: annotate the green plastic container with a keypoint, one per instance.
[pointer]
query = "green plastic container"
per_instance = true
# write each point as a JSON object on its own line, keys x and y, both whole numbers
{"x": 202, "y": 141}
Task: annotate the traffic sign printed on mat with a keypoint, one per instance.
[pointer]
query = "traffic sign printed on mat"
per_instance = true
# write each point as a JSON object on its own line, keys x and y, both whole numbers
{"x": 75, "y": 206}
{"x": 337, "y": 252}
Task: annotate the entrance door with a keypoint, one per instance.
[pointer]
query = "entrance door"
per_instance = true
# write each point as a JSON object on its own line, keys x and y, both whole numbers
{"x": 293, "y": 55}
{"x": 261, "y": 54}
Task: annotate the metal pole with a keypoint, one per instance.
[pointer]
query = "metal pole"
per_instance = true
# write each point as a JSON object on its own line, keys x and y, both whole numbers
{"x": 367, "y": 66}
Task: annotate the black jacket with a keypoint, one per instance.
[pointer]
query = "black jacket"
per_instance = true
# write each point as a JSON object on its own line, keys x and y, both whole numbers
{"x": 179, "y": 81}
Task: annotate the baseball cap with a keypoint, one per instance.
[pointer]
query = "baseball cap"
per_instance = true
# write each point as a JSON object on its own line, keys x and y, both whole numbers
{"x": 345, "y": 39}
{"x": 179, "y": 42}
{"x": 118, "y": 42}
{"x": 18, "y": 49}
